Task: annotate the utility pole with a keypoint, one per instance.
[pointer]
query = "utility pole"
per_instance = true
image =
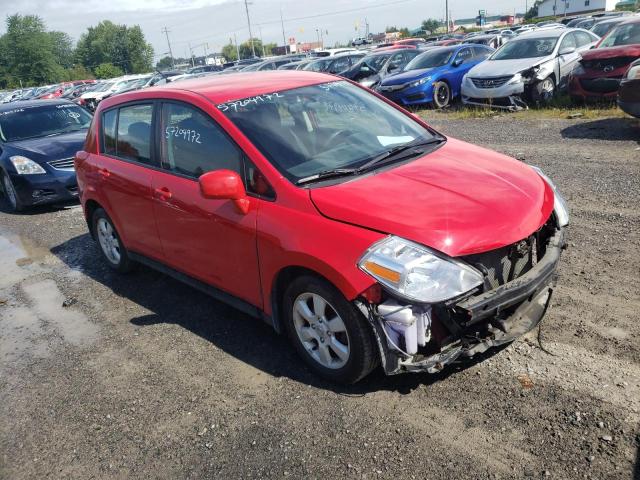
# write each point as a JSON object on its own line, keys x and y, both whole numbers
{"x": 165, "y": 30}
{"x": 284, "y": 38}
{"x": 253, "y": 49}
{"x": 235, "y": 40}
{"x": 262, "y": 41}
{"x": 447, "y": 14}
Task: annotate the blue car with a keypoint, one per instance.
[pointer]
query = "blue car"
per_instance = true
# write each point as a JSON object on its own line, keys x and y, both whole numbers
{"x": 38, "y": 141}
{"x": 434, "y": 76}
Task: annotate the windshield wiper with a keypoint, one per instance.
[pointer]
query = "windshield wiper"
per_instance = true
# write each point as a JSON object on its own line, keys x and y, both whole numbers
{"x": 336, "y": 172}
{"x": 395, "y": 151}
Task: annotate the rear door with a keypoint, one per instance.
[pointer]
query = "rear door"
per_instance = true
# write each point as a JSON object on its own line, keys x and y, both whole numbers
{"x": 124, "y": 170}
{"x": 207, "y": 239}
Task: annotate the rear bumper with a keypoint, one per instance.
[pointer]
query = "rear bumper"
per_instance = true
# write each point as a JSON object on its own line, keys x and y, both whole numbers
{"x": 524, "y": 299}
{"x": 47, "y": 188}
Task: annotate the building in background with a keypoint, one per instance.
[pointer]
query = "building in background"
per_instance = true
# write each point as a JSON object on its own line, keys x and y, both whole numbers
{"x": 550, "y": 8}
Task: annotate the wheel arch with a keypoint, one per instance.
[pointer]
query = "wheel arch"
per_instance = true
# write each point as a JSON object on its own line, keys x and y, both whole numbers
{"x": 285, "y": 275}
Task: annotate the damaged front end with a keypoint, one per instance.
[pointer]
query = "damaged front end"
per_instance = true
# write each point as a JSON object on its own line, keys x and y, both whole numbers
{"x": 517, "y": 283}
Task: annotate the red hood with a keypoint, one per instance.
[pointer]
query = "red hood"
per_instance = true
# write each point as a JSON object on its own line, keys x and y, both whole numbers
{"x": 460, "y": 199}
{"x": 612, "y": 52}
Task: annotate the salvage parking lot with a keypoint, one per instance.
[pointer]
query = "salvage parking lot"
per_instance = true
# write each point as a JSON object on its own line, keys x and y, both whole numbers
{"x": 139, "y": 376}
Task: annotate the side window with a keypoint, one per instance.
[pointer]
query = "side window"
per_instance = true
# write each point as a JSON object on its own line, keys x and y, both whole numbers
{"x": 569, "y": 41}
{"x": 268, "y": 66}
{"x": 131, "y": 139}
{"x": 396, "y": 61}
{"x": 464, "y": 55}
{"x": 339, "y": 64}
{"x": 582, "y": 38}
{"x": 109, "y": 120}
{"x": 193, "y": 144}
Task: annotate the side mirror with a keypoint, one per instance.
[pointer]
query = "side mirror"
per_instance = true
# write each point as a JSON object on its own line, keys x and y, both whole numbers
{"x": 567, "y": 51}
{"x": 224, "y": 185}
{"x": 457, "y": 62}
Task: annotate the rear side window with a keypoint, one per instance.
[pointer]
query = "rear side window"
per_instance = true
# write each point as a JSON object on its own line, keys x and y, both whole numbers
{"x": 127, "y": 132}
{"x": 583, "y": 38}
{"x": 193, "y": 144}
{"x": 482, "y": 53}
{"x": 109, "y": 122}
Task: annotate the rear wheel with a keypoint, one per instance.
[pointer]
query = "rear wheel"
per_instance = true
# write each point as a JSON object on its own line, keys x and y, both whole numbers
{"x": 441, "y": 95}
{"x": 110, "y": 244}
{"x": 332, "y": 337}
{"x": 10, "y": 193}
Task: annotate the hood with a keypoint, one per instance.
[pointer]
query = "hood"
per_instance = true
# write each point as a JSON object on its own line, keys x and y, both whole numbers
{"x": 503, "y": 68}
{"x": 405, "y": 77}
{"x": 45, "y": 149}
{"x": 612, "y": 52}
{"x": 460, "y": 199}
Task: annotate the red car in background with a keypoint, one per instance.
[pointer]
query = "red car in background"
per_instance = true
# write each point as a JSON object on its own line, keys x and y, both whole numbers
{"x": 60, "y": 89}
{"x": 601, "y": 69}
{"x": 336, "y": 216}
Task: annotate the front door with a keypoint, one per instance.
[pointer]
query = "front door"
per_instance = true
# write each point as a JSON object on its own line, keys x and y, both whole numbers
{"x": 210, "y": 240}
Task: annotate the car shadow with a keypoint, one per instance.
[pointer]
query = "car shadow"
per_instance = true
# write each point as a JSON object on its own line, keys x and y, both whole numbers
{"x": 37, "y": 210}
{"x": 247, "y": 339}
{"x": 636, "y": 471}
{"x": 611, "y": 129}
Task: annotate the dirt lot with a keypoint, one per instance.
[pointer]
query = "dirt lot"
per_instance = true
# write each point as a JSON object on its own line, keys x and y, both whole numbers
{"x": 141, "y": 377}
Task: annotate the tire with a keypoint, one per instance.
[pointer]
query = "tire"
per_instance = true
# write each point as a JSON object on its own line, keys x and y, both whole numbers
{"x": 320, "y": 335}
{"x": 110, "y": 243}
{"x": 543, "y": 91}
{"x": 441, "y": 95}
{"x": 10, "y": 194}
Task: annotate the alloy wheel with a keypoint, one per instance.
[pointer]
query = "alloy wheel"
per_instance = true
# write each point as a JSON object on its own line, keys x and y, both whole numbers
{"x": 321, "y": 330}
{"x": 108, "y": 241}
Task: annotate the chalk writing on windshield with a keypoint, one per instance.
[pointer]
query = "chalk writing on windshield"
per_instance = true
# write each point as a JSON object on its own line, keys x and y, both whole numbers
{"x": 248, "y": 101}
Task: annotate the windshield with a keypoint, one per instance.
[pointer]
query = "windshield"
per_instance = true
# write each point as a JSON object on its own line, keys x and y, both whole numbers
{"x": 103, "y": 87}
{"x": 526, "y": 48}
{"x": 433, "y": 59}
{"x": 318, "y": 65}
{"x": 627, "y": 34}
{"x": 373, "y": 62}
{"x": 42, "y": 121}
{"x": 309, "y": 130}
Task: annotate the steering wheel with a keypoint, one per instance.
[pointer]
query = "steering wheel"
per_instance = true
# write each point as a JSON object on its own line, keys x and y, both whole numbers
{"x": 335, "y": 135}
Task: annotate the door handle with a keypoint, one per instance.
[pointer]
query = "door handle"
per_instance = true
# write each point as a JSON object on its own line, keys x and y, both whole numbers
{"x": 163, "y": 193}
{"x": 103, "y": 172}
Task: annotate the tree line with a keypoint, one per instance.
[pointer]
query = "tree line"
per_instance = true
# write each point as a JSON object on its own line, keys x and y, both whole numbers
{"x": 31, "y": 55}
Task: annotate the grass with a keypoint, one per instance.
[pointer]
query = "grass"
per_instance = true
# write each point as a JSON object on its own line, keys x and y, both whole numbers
{"x": 560, "y": 108}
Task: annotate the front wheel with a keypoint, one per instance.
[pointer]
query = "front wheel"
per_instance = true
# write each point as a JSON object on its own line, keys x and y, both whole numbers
{"x": 331, "y": 336}
{"x": 543, "y": 91}
{"x": 441, "y": 95}
{"x": 11, "y": 194}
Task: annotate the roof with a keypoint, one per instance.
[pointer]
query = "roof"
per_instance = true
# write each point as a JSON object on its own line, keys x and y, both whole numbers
{"x": 545, "y": 33}
{"x": 234, "y": 86}
{"x": 33, "y": 103}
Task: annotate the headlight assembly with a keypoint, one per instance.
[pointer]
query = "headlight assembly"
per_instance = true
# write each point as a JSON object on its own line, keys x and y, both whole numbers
{"x": 634, "y": 73}
{"x": 417, "y": 273}
{"x": 517, "y": 78}
{"x": 417, "y": 83}
{"x": 25, "y": 166}
{"x": 560, "y": 206}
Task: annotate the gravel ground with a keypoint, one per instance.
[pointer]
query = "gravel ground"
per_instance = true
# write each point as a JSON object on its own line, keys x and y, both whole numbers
{"x": 138, "y": 376}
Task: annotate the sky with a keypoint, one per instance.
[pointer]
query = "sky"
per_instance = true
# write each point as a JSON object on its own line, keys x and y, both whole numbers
{"x": 214, "y": 22}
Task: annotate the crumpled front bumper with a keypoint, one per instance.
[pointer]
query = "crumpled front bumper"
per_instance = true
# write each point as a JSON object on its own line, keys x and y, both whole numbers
{"x": 527, "y": 298}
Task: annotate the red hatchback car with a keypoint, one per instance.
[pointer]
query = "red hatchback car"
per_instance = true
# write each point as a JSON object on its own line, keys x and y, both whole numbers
{"x": 334, "y": 215}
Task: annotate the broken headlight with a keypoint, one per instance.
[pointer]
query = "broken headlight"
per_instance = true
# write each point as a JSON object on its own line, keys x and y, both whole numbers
{"x": 560, "y": 207}
{"x": 417, "y": 273}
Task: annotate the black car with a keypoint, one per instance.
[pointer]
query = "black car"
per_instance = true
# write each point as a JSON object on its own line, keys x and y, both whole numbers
{"x": 38, "y": 140}
{"x": 372, "y": 68}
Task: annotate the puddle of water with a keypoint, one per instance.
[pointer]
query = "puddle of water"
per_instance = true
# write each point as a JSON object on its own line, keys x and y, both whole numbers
{"x": 73, "y": 325}
{"x": 12, "y": 264}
